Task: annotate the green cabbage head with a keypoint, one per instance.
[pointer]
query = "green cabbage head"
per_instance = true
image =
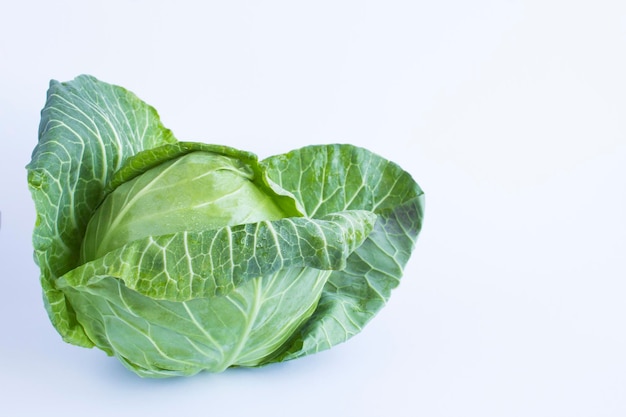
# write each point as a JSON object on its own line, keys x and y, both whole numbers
{"x": 178, "y": 257}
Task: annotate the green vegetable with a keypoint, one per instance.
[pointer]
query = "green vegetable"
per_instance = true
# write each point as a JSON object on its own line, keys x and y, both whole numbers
{"x": 178, "y": 257}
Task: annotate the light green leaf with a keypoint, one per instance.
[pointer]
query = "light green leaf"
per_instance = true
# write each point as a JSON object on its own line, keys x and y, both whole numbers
{"x": 186, "y": 265}
{"x": 152, "y": 157}
{"x": 161, "y": 338}
{"x": 181, "y": 303}
{"x": 183, "y": 187}
{"x": 331, "y": 178}
{"x": 88, "y": 129}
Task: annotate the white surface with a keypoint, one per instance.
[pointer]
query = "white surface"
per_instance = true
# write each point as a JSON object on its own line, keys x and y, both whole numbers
{"x": 510, "y": 114}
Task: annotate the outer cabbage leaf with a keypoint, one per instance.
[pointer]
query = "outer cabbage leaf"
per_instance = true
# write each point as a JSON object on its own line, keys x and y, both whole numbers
{"x": 187, "y": 265}
{"x": 333, "y": 178}
{"x": 161, "y": 338}
{"x": 181, "y": 303}
{"x": 87, "y": 131}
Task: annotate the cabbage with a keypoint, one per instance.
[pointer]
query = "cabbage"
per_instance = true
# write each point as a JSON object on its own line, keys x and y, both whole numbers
{"x": 180, "y": 257}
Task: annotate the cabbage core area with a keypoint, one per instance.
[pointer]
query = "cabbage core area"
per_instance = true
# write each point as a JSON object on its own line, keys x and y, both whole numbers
{"x": 194, "y": 192}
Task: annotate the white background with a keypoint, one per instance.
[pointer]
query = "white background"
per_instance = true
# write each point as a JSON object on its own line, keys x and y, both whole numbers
{"x": 510, "y": 114}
